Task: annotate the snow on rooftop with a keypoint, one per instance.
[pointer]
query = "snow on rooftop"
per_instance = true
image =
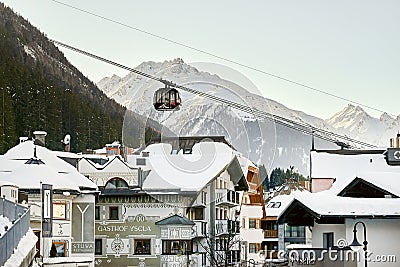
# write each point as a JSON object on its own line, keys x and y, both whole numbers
{"x": 279, "y": 203}
{"x": 40, "y": 133}
{"x": 188, "y": 172}
{"x": 388, "y": 181}
{"x": 55, "y": 171}
{"x": 29, "y": 176}
{"x": 342, "y": 167}
{"x": 331, "y": 205}
{"x": 69, "y": 155}
{"x": 100, "y": 151}
{"x": 7, "y": 183}
{"x": 24, "y": 151}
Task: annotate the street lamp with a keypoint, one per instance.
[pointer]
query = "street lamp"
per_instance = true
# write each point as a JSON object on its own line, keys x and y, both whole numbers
{"x": 355, "y": 245}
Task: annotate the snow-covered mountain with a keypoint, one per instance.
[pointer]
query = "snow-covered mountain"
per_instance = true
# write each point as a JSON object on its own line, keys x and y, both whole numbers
{"x": 353, "y": 121}
{"x": 260, "y": 140}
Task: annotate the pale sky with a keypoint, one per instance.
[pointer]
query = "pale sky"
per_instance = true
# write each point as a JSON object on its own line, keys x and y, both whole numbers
{"x": 347, "y": 48}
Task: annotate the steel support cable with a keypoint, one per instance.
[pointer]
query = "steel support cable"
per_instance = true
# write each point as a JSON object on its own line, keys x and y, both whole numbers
{"x": 298, "y": 126}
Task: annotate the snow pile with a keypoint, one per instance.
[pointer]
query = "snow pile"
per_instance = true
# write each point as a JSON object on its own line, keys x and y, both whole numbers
{"x": 4, "y": 221}
{"x": 24, "y": 248}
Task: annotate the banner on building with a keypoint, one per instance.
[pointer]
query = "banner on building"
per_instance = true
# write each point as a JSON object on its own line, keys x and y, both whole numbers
{"x": 47, "y": 210}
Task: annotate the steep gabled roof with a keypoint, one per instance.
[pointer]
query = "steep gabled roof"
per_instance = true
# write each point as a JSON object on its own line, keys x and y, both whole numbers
{"x": 175, "y": 220}
{"x": 383, "y": 183}
{"x": 328, "y": 208}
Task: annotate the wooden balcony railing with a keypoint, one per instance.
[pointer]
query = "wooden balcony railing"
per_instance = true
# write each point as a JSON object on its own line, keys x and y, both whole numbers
{"x": 270, "y": 233}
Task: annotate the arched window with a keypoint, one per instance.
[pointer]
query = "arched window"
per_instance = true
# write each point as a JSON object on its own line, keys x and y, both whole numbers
{"x": 116, "y": 183}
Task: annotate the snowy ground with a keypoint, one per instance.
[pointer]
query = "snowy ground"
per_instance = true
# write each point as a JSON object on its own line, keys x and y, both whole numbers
{"x": 24, "y": 247}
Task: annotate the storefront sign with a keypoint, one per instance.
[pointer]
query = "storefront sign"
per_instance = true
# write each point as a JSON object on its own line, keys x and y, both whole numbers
{"x": 82, "y": 247}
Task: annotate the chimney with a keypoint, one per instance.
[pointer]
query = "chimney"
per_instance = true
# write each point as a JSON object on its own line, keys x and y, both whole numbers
{"x": 391, "y": 143}
{"x": 40, "y": 138}
{"x": 398, "y": 140}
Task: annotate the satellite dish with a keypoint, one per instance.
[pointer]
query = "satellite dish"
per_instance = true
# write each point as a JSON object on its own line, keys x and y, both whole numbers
{"x": 67, "y": 139}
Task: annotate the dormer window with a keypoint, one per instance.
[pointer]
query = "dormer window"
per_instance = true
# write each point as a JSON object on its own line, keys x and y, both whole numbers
{"x": 116, "y": 183}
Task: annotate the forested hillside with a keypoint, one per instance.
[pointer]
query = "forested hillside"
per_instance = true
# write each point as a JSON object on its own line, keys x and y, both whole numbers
{"x": 41, "y": 90}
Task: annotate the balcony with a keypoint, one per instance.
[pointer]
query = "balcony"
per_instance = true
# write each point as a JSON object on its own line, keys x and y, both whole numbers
{"x": 200, "y": 228}
{"x": 227, "y": 197}
{"x": 18, "y": 217}
{"x": 221, "y": 227}
{"x": 270, "y": 233}
{"x": 225, "y": 227}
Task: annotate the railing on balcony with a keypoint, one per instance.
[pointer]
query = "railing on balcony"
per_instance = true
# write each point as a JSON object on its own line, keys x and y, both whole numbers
{"x": 227, "y": 197}
{"x": 270, "y": 233}
{"x": 200, "y": 228}
{"x": 226, "y": 227}
{"x": 19, "y": 217}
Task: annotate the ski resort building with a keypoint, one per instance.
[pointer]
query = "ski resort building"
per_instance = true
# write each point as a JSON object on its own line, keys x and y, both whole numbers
{"x": 174, "y": 204}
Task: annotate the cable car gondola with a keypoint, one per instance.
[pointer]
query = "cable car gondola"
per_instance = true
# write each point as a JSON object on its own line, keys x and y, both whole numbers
{"x": 166, "y": 99}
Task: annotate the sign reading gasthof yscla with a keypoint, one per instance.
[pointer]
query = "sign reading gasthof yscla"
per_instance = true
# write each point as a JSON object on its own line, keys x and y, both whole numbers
{"x": 126, "y": 228}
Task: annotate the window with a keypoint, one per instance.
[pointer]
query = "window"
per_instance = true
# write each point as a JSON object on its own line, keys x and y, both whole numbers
{"x": 59, "y": 211}
{"x": 328, "y": 240}
{"x": 254, "y": 248}
{"x": 294, "y": 231}
{"x": 61, "y": 248}
{"x": 204, "y": 197}
{"x": 116, "y": 183}
{"x": 98, "y": 247}
{"x": 97, "y": 213}
{"x": 142, "y": 246}
{"x": 113, "y": 213}
{"x": 174, "y": 247}
{"x": 198, "y": 214}
{"x": 277, "y": 205}
{"x": 141, "y": 161}
{"x": 252, "y": 223}
{"x": 270, "y": 205}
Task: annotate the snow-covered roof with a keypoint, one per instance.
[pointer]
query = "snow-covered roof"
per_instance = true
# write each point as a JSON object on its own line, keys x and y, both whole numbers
{"x": 323, "y": 204}
{"x": 279, "y": 203}
{"x": 188, "y": 172}
{"x": 101, "y": 151}
{"x": 388, "y": 181}
{"x": 69, "y": 155}
{"x": 342, "y": 168}
{"x": 24, "y": 151}
{"x": 54, "y": 171}
{"x": 276, "y": 205}
{"x": 113, "y": 164}
{"x": 8, "y": 183}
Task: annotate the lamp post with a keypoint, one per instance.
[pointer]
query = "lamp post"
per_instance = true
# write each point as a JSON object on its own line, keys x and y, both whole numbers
{"x": 355, "y": 245}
